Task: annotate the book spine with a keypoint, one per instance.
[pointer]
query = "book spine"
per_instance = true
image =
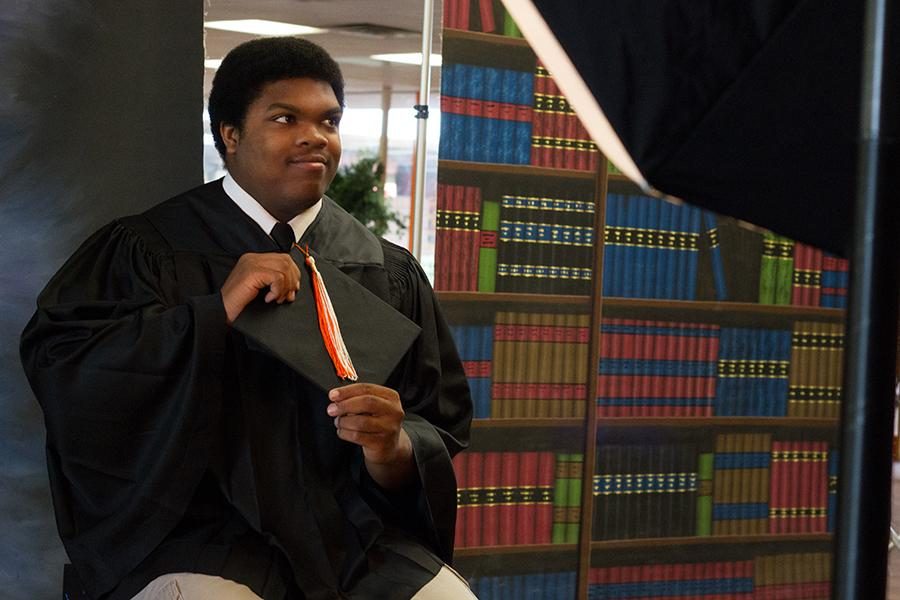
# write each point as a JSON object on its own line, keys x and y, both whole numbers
{"x": 474, "y": 481}
{"x": 487, "y": 251}
{"x": 526, "y": 502}
{"x": 715, "y": 254}
{"x": 486, "y": 12}
{"x": 509, "y": 475}
{"x": 767, "y": 269}
{"x": 462, "y": 499}
{"x": 490, "y": 511}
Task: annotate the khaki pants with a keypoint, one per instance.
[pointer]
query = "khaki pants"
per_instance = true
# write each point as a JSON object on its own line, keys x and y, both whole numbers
{"x": 446, "y": 585}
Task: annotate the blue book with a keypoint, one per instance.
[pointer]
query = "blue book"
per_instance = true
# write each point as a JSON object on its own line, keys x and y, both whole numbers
{"x": 715, "y": 256}
{"x": 610, "y": 249}
{"x": 458, "y": 133}
{"x": 487, "y": 353}
{"x": 524, "y": 98}
{"x": 727, "y": 380}
{"x": 693, "y": 252}
{"x": 507, "y": 133}
{"x": 666, "y": 265}
{"x": 448, "y": 119}
{"x": 653, "y": 250}
{"x": 641, "y": 247}
{"x": 534, "y": 587}
{"x": 681, "y": 221}
{"x": 491, "y": 110}
{"x": 754, "y": 358}
{"x": 518, "y": 587}
{"x": 474, "y": 139}
{"x": 628, "y": 219}
{"x": 782, "y": 383}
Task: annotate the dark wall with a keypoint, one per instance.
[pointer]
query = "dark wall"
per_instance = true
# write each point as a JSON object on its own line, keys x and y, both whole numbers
{"x": 100, "y": 115}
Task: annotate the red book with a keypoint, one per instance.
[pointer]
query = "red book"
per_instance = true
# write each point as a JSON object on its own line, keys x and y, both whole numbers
{"x": 462, "y": 14}
{"x": 776, "y": 487}
{"x": 526, "y": 508}
{"x": 570, "y": 133}
{"x": 543, "y": 528}
{"x": 474, "y": 478}
{"x": 821, "y": 489}
{"x": 490, "y": 513}
{"x": 450, "y": 13}
{"x": 486, "y": 9}
{"x": 440, "y": 239}
{"x": 459, "y": 469}
{"x": 455, "y": 200}
{"x": 582, "y": 160}
{"x": 798, "y": 291}
{"x": 509, "y": 474}
{"x": 816, "y": 262}
{"x": 807, "y": 454}
{"x": 469, "y": 254}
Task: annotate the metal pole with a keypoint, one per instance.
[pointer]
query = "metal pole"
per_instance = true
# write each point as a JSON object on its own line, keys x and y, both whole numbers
{"x": 383, "y": 141}
{"x": 422, "y": 116}
{"x": 864, "y": 496}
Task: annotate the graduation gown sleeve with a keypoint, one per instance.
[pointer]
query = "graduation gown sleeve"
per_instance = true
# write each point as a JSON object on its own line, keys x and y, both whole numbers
{"x": 434, "y": 391}
{"x": 126, "y": 373}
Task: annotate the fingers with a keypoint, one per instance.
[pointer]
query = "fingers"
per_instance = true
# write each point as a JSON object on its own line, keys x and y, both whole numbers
{"x": 368, "y": 415}
{"x": 255, "y": 272}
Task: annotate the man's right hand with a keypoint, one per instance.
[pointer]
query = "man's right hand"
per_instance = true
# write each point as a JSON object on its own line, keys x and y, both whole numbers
{"x": 254, "y": 272}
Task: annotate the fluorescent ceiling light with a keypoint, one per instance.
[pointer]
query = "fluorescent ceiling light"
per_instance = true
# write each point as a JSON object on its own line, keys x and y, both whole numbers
{"x": 262, "y": 27}
{"x": 212, "y": 63}
{"x": 410, "y": 58}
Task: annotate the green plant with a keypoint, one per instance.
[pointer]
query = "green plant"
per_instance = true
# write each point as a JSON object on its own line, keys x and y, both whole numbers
{"x": 357, "y": 188}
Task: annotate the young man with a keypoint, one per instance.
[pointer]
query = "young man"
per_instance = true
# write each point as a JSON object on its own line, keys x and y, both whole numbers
{"x": 187, "y": 461}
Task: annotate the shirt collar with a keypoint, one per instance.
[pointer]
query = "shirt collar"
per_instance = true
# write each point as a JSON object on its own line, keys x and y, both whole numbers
{"x": 260, "y": 215}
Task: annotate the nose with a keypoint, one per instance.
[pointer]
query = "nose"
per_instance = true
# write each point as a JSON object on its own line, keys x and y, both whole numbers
{"x": 310, "y": 134}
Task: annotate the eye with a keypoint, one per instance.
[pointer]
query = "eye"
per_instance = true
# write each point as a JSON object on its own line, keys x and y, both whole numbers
{"x": 284, "y": 119}
{"x": 334, "y": 121}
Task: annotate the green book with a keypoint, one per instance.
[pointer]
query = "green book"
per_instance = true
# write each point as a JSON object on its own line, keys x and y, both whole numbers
{"x": 510, "y": 29}
{"x": 487, "y": 252}
{"x": 560, "y": 499}
{"x": 784, "y": 269}
{"x": 573, "y": 522}
{"x": 767, "y": 269}
{"x": 704, "y": 494}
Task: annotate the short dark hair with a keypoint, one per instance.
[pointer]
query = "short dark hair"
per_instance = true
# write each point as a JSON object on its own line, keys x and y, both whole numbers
{"x": 251, "y": 65}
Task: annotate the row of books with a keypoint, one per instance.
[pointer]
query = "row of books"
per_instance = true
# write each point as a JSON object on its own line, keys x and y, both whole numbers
{"x": 795, "y": 273}
{"x": 558, "y": 138}
{"x": 675, "y": 368}
{"x": 792, "y": 576}
{"x": 513, "y": 243}
{"x": 540, "y": 365}
{"x": 657, "y": 249}
{"x": 749, "y": 485}
{"x": 508, "y": 116}
{"x": 553, "y": 585}
{"x": 487, "y": 16}
{"x": 486, "y": 114}
{"x": 517, "y": 497}
{"x": 651, "y": 248}
{"x": 533, "y": 365}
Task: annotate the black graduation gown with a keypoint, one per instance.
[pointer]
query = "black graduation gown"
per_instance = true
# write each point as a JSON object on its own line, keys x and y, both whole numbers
{"x": 161, "y": 420}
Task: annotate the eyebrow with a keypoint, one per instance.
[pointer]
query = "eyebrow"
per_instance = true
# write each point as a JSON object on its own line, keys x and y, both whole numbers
{"x": 336, "y": 110}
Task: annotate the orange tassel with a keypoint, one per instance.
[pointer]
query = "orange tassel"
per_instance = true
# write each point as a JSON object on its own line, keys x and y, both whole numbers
{"x": 328, "y": 323}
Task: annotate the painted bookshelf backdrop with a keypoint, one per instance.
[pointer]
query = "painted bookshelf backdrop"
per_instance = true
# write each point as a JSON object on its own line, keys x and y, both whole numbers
{"x": 656, "y": 387}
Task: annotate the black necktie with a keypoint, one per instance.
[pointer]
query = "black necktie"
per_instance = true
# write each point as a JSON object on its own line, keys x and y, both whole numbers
{"x": 283, "y": 234}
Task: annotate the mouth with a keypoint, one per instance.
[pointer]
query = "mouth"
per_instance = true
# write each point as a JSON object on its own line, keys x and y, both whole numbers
{"x": 309, "y": 161}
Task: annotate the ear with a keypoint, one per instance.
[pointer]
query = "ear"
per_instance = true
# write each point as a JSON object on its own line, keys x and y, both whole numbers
{"x": 231, "y": 136}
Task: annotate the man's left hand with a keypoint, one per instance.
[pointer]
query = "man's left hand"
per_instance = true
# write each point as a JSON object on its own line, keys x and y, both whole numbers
{"x": 371, "y": 416}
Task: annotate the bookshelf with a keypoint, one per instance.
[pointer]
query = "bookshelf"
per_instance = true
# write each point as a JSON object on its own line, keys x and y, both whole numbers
{"x": 656, "y": 388}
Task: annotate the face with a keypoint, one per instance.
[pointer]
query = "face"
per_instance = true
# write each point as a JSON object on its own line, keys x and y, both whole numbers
{"x": 287, "y": 150}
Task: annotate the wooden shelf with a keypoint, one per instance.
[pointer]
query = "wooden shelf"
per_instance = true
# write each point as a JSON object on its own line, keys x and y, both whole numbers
{"x": 746, "y": 308}
{"x": 486, "y": 38}
{"x": 711, "y": 540}
{"x": 526, "y": 423}
{"x": 712, "y": 422}
{"x": 519, "y": 549}
{"x": 515, "y": 170}
{"x": 510, "y": 298}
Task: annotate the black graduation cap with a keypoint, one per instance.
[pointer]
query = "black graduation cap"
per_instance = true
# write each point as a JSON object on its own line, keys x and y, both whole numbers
{"x": 375, "y": 333}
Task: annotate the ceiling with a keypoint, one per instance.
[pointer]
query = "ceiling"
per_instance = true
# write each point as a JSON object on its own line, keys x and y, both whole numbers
{"x": 381, "y": 26}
